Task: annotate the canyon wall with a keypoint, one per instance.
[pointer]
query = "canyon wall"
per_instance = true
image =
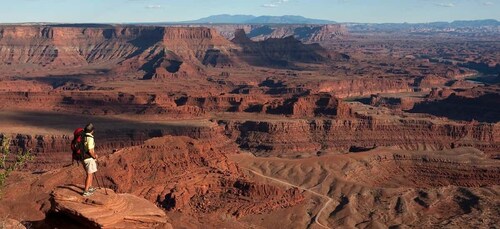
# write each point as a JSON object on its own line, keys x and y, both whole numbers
{"x": 175, "y": 106}
{"x": 52, "y": 150}
{"x": 158, "y": 52}
{"x": 97, "y": 103}
{"x": 362, "y": 87}
{"x": 137, "y": 48}
{"x": 311, "y": 136}
{"x": 304, "y": 33}
{"x": 465, "y": 167}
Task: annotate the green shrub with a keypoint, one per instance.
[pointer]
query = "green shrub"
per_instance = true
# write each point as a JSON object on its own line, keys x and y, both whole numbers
{"x": 7, "y": 165}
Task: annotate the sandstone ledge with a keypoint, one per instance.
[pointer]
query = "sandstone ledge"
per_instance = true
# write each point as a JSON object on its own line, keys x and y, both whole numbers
{"x": 107, "y": 211}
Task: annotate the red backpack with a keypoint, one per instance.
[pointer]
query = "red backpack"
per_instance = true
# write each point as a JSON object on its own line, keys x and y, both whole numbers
{"x": 78, "y": 145}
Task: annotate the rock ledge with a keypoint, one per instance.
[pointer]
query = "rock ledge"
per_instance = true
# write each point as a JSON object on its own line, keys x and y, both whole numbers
{"x": 107, "y": 211}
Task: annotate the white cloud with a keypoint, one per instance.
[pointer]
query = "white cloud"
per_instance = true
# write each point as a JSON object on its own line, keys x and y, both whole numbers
{"x": 153, "y": 7}
{"x": 488, "y": 3}
{"x": 445, "y": 4}
{"x": 270, "y": 5}
{"x": 275, "y": 3}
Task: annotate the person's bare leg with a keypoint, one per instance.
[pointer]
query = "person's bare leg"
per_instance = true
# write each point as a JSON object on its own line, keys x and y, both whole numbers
{"x": 88, "y": 181}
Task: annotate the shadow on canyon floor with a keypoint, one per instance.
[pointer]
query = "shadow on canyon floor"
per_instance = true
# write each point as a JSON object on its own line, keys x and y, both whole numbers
{"x": 63, "y": 122}
{"x": 485, "y": 108}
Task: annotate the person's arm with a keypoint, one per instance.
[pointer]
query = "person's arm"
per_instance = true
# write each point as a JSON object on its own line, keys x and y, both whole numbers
{"x": 92, "y": 153}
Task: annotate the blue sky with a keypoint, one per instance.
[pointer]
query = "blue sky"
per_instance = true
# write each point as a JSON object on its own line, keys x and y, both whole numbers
{"x": 116, "y": 11}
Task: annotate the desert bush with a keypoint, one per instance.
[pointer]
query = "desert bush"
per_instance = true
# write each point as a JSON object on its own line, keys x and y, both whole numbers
{"x": 10, "y": 163}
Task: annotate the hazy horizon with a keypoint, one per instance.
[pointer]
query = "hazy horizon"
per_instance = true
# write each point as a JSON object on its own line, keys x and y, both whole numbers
{"x": 145, "y": 11}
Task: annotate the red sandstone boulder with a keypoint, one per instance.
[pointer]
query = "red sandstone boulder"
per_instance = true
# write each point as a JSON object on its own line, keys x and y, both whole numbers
{"x": 107, "y": 210}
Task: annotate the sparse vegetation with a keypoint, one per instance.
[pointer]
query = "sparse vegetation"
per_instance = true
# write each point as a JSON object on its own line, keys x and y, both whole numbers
{"x": 10, "y": 163}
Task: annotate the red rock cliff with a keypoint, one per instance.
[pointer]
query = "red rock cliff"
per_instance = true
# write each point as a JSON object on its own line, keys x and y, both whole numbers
{"x": 133, "y": 47}
{"x": 302, "y": 136}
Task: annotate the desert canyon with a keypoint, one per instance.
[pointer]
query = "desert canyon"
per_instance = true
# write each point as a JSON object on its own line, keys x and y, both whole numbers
{"x": 253, "y": 126}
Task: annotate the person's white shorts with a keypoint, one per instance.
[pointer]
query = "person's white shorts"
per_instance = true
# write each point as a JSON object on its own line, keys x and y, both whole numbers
{"x": 90, "y": 165}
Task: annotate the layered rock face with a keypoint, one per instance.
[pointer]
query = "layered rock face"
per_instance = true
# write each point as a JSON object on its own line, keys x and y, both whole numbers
{"x": 187, "y": 50}
{"x": 318, "y": 105}
{"x": 302, "y": 136}
{"x": 421, "y": 169}
{"x": 396, "y": 103}
{"x": 478, "y": 103}
{"x": 107, "y": 209}
{"x": 362, "y": 87}
{"x": 98, "y": 103}
{"x": 158, "y": 52}
{"x": 340, "y": 88}
{"x": 43, "y": 45}
{"x": 140, "y": 48}
{"x": 322, "y": 104}
{"x": 53, "y": 150}
{"x": 304, "y": 33}
{"x": 112, "y": 133}
{"x": 298, "y": 102}
{"x": 278, "y": 52}
{"x": 186, "y": 175}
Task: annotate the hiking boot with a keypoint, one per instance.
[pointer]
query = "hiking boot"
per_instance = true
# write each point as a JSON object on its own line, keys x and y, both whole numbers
{"x": 92, "y": 189}
{"x": 87, "y": 194}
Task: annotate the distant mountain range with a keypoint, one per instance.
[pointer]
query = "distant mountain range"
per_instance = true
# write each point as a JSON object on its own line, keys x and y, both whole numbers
{"x": 461, "y": 23}
{"x": 490, "y": 25}
{"x": 250, "y": 19}
{"x": 472, "y": 23}
{"x": 293, "y": 19}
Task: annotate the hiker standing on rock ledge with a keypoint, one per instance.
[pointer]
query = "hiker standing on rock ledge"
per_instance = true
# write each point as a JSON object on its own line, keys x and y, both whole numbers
{"x": 89, "y": 159}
